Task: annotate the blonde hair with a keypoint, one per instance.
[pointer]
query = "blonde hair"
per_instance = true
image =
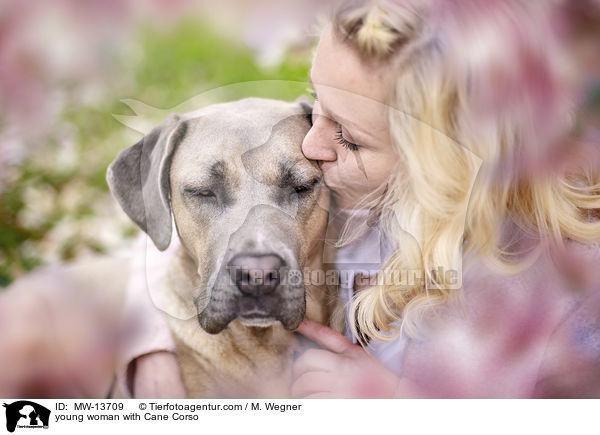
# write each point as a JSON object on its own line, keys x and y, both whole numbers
{"x": 469, "y": 159}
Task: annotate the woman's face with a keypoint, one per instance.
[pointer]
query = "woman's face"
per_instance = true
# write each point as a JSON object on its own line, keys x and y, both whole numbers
{"x": 350, "y": 137}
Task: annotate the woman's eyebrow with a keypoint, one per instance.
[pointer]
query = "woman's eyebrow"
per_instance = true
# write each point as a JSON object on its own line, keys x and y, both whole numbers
{"x": 325, "y": 110}
{"x": 338, "y": 119}
{"x": 346, "y": 123}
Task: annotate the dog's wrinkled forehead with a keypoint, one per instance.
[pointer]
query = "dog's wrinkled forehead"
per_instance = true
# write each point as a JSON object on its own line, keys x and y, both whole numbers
{"x": 263, "y": 137}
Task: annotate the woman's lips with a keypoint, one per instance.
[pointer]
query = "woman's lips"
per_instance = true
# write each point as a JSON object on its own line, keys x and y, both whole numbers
{"x": 326, "y": 166}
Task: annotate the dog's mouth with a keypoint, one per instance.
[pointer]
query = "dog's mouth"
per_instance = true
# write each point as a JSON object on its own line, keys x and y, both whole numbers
{"x": 256, "y": 315}
{"x": 227, "y": 307}
{"x": 257, "y": 290}
{"x": 257, "y": 319}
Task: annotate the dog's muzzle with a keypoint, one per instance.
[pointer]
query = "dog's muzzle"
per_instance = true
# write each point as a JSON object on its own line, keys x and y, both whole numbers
{"x": 259, "y": 290}
{"x": 259, "y": 281}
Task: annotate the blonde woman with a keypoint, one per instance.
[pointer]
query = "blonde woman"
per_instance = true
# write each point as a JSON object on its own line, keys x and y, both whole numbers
{"x": 445, "y": 122}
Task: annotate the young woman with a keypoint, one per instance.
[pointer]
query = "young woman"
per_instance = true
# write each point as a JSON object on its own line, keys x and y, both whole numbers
{"x": 448, "y": 121}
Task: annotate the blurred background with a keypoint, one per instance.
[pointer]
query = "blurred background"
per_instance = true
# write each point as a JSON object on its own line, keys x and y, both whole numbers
{"x": 65, "y": 68}
{"x": 81, "y": 80}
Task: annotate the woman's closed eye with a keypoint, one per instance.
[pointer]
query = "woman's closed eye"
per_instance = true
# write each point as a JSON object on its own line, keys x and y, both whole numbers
{"x": 339, "y": 136}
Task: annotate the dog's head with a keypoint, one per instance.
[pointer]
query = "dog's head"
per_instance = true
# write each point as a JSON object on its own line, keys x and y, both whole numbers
{"x": 247, "y": 205}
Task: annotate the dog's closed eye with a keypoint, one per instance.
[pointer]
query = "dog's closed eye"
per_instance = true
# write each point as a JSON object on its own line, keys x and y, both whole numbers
{"x": 306, "y": 188}
{"x": 200, "y": 193}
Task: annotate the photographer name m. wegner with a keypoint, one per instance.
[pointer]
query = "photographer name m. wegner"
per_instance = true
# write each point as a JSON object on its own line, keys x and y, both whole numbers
{"x": 247, "y": 406}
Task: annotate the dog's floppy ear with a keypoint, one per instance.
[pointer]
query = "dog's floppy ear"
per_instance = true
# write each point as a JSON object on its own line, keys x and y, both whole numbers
{"x": 139, "y": 180}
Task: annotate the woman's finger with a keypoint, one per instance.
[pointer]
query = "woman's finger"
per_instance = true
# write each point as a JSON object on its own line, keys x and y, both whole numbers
{"x": 315, "y": 360}
{"x": 311, "y": 383}
{"x": 325, "y": 337}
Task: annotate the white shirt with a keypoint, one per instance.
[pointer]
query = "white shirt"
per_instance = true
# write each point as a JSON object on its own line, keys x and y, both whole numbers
{"x": 366, "y": 255}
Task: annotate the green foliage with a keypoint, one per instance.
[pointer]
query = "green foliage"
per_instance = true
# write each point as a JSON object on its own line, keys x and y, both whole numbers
{"x": 191, "y": 59}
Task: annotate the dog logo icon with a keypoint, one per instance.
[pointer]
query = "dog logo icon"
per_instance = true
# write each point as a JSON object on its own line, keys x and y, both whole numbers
{"x": 26, "y": 414}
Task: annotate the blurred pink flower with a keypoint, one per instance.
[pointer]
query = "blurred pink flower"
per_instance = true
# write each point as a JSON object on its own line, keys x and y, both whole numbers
{"x": 534, "y": 334}
{"x": 526, "y": 76}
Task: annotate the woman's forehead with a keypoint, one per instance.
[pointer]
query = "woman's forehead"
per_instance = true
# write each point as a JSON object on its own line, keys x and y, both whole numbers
{"x": 349, "y": 91}
{"x": 339, "y": 62}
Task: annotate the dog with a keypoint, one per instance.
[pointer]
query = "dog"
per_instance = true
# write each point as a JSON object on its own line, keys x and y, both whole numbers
{"x": 250, "y": 212}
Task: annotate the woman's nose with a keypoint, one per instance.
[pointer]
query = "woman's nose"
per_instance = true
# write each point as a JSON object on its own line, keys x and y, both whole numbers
{"x": 318, "y": 145}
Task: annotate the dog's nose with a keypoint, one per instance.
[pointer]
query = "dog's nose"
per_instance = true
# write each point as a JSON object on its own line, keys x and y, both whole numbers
{"x": 256, "y": 275}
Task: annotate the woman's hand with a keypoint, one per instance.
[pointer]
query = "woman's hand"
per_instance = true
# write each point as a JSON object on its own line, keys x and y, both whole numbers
{"x": 340, "y": 369}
